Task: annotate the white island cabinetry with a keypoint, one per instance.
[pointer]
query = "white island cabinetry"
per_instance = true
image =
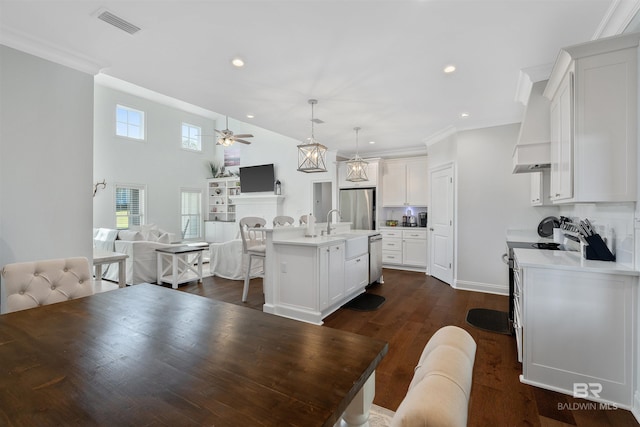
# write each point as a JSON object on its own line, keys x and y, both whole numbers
{"x": 574, "y": 322}
{"x": 308, "y": 278}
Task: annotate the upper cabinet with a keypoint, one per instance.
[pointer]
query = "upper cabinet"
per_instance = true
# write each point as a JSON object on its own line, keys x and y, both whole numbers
{"x": 593, "y": 91}
{"x": 404, "y": 182}
{"x": 372, "y": 174}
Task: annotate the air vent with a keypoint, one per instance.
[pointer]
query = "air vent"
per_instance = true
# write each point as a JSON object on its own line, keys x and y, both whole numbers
{"x": 118, "y": 22}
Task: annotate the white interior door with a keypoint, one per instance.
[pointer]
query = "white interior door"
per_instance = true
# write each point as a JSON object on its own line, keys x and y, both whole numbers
{"x": 441, "y": 224}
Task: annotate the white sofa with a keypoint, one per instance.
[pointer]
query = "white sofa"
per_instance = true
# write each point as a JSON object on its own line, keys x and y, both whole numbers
{"x": 228, "y": 261}
{"x": 141, "y": 247}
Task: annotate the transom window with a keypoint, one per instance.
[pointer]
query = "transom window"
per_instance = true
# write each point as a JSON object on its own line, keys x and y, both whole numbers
{"x": 129, "y": 122}
{"x": 129, "y": 206}
{"x": 191, "y": 213}
{"x": 191, "y": 137}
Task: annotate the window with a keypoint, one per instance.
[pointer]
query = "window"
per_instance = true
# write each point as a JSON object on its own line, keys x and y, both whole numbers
{"x": 191, "y": 137}
{"x": 191, "y": 214}
{"x": 129, "y": 206}
{"x": 129, "y": 122}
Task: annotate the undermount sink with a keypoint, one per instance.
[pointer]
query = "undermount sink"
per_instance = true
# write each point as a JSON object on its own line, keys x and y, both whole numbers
{"x": 355, "y": 244}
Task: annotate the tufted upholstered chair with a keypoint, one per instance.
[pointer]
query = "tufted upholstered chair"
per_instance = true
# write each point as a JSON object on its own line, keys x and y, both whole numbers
{"x": 33, "y": 284}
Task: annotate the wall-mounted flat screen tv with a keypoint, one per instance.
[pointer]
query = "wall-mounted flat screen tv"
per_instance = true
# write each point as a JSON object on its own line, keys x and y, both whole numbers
{"x": 256, "y": 178}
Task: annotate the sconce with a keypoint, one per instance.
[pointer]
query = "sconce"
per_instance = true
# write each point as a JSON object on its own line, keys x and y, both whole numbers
{"x": 97, "y": 185}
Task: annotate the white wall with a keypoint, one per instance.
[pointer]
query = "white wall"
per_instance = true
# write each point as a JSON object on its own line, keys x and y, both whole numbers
{"x": 161, "y": 165}
{"x": 46, "y": 132}
{"x": 490, "y": 200}
{"x": 159, "y": 162}
{"x": 270, "y": 147}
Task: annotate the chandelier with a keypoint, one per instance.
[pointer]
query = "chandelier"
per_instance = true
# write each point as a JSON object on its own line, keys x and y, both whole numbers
{"x": 356, "y": 167}
{"x": 312, "y": 155}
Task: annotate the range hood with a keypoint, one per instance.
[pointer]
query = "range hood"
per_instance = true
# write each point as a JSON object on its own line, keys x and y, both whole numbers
{"x": 532, "y": 152}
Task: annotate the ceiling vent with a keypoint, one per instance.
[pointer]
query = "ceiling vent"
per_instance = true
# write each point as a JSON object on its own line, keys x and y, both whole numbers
{"x": 118, "y": 22}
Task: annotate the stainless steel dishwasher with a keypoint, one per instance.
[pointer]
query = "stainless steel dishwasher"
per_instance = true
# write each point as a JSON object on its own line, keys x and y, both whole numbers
{"x": 375, "y": 259}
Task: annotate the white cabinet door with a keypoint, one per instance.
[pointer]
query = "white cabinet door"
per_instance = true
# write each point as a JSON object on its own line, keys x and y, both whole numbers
{"x": 394, "y": 189}
{"x": 417, "y": 178}
{"x": 565, "y": 144}
{"x": 414, "y": 252}
{"x": 540, "y": 188}
{"x": 356, "y": 274}
{"x": 332, "y": 272}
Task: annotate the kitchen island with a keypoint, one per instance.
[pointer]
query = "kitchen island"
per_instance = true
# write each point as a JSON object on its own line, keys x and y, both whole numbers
{"x": 308, "y": 278}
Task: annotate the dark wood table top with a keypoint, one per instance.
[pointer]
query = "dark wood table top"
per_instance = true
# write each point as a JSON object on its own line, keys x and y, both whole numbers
{"x": 151, "y": 356}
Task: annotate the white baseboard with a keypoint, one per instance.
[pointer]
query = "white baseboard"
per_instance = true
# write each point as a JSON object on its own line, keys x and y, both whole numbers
{"x": 488, "y": 288}
{"x": 635, "y": 410}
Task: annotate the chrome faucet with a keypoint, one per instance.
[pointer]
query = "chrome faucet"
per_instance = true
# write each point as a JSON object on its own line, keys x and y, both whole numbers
{"x": 329, "y": 219}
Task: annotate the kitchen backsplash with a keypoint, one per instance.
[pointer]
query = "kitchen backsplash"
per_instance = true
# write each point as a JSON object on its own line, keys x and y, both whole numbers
{"x": 617, "y": 217}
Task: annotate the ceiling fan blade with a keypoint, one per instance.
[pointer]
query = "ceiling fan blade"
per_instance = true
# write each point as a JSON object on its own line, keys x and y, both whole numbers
{"x": 221, "y": 132}
{"x": 244, "y": 135}
{"x": 242, "y": 141}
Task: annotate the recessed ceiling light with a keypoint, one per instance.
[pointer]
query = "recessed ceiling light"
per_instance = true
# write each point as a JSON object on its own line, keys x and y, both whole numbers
{"x": 449, "y": 69}
{"x": 250, "y": 116}
{"x": 237, "y": 62}
{"x": 464, "y": 115}
{"x": 372, "y": 142}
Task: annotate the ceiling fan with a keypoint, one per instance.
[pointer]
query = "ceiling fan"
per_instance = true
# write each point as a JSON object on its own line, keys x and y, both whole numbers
{"x": 227, "y": 137}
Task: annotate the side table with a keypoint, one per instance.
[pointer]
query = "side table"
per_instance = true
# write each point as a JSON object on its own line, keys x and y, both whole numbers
{"x": 182, "y": 267}
{"x": 101, "y": 258}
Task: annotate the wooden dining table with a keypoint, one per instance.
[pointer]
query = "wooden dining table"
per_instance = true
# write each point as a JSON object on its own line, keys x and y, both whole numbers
{"x": 147, "y": 355}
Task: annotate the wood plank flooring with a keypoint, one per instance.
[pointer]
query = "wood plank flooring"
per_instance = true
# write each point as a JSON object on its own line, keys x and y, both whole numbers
{"x": 416, "y": 306}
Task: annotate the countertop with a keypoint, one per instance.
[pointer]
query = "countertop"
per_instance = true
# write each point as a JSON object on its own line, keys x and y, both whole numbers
{"x": 569, "y": 260}
{"x": 322, "y": 240}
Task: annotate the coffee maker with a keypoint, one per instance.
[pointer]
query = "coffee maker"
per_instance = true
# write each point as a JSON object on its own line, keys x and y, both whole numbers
{"x": 423, "y": 219}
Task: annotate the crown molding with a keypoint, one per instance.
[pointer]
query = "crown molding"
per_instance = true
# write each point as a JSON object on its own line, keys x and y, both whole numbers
{"x": 46, "y": 50}
{"x": 440, "y": 135}
{"x": 617, "y": 18}
{"x": 526, "y": 79}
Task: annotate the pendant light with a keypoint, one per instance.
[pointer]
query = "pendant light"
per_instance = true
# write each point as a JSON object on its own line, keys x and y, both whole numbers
{"x": 312, "y": 155}
{"x": 356, "y": 167}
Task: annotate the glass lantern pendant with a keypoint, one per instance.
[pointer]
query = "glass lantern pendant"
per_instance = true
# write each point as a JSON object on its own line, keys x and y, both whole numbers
{"x": 312, "y": 155}
{"x": 356, "y": 167}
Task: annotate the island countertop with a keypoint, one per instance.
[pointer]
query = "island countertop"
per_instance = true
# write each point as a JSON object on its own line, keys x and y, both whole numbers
{"x": 287, "y": 239}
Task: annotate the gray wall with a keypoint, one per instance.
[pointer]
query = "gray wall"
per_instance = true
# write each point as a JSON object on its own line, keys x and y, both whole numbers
{"x": 46, "y": 157}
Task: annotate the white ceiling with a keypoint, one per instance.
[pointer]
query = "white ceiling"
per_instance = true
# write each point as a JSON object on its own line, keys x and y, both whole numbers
{"x": 373, "y": 64}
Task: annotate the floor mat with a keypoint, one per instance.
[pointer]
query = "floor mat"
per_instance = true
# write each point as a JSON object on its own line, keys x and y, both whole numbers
{"x": 489, "y": 320}
{"x": 365, "y": 302}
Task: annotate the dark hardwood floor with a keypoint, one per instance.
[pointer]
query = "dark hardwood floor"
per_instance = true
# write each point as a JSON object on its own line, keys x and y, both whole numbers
{"x": 418, "y": 305}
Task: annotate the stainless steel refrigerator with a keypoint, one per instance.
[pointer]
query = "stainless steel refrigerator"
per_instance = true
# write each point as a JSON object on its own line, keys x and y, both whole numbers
{"x": 358, "y": 206}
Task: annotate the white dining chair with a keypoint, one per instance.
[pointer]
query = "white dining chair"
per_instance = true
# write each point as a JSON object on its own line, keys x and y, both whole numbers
{"x": 253, "y": 245}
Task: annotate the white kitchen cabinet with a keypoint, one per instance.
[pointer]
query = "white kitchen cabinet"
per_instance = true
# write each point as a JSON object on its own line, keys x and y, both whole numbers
{"x": 576, "y": 326}
{"x": 331, "y": 271}
{"x": 404, "y": 182}
{"x": 414, "y": 248}
{"x": 404, "y": 247}
{"x": 593, "y": 119}
{"x": 372, "y": 174}
{"x": 356, "y": 273}
{"x": 540, "y": 186}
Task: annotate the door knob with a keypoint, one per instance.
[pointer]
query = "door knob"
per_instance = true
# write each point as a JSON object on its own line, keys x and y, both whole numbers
{"x": 430, "y": 229}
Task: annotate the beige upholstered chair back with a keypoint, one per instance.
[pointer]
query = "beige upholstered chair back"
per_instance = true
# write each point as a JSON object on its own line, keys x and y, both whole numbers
{"x": 283, "y": 221}
{"x": 33, "y": 284}
{"x": 252, "y": 239}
